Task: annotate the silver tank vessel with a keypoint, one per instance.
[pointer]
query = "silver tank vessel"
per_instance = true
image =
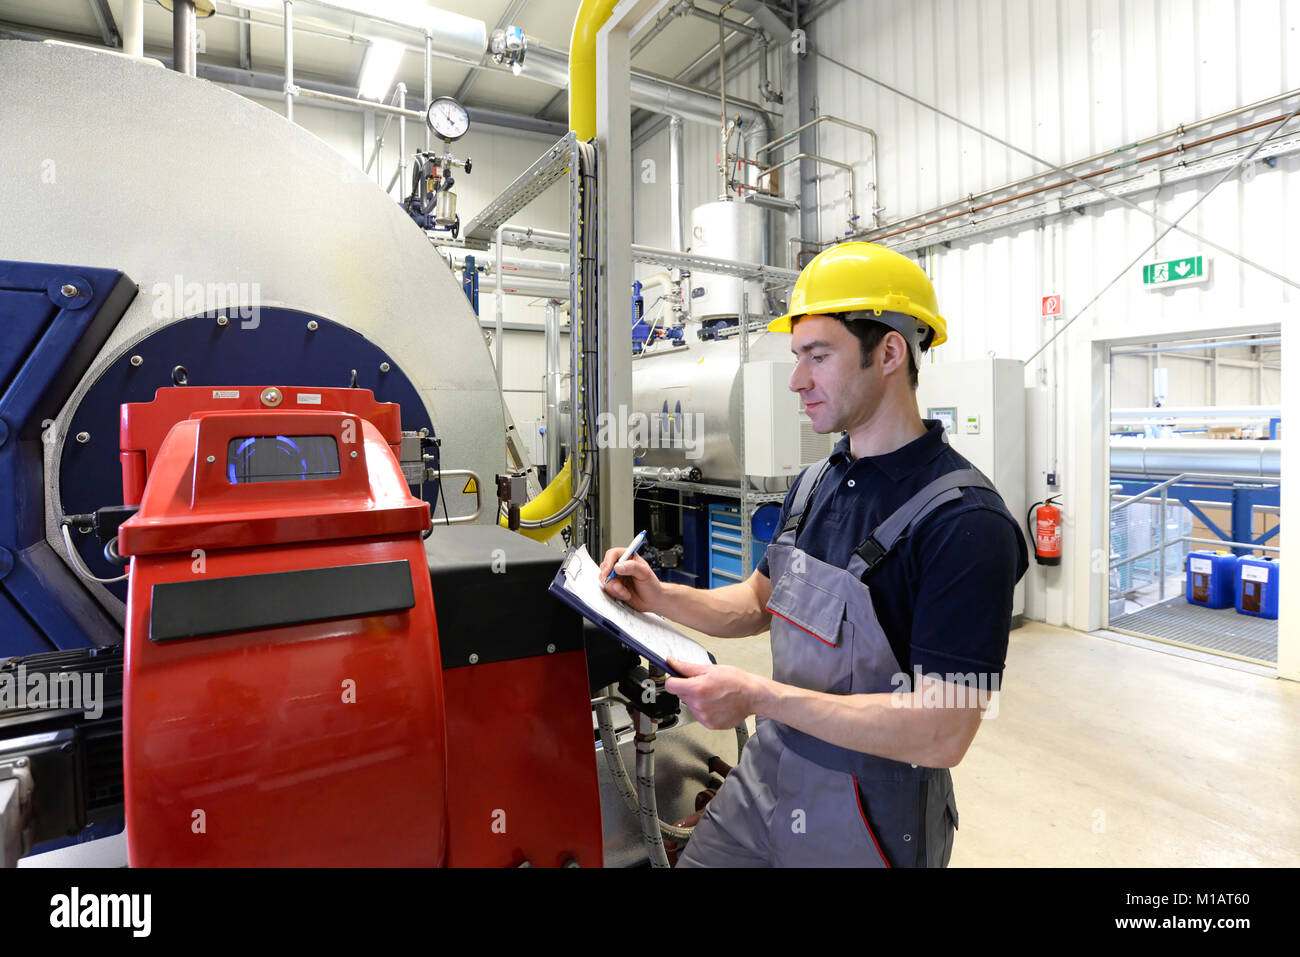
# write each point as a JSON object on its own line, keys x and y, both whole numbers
{"x": 696, "y": 392}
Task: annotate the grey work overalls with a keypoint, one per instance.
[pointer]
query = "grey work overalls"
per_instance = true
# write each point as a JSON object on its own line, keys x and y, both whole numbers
{"x": 794, "y": 800}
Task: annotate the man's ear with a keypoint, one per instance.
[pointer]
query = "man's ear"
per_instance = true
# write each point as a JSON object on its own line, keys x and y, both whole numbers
{"x": 893, "y": 353}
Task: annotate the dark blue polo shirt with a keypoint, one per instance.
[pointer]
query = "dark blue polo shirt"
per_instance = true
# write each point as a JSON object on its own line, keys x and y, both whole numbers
{"x": 943, "y": 594}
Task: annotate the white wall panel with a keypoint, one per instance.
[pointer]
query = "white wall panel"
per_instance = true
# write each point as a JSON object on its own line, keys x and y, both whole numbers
{"x": 1065, "y": 79}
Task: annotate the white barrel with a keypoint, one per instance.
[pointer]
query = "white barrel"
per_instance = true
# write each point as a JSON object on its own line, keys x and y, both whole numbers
{"x": 726, "y": 230}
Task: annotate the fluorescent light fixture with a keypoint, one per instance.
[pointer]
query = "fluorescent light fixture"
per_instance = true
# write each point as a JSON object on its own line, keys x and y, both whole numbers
{"x": 378, "y": 68}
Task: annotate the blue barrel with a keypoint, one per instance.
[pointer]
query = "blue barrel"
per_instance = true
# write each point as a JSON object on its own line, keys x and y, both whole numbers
{"x": 1257, "y": 586}
{"x": 1211, "y": 578}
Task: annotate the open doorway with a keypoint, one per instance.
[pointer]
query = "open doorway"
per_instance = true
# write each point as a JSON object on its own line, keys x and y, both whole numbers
{"x": 1195, "y": 482}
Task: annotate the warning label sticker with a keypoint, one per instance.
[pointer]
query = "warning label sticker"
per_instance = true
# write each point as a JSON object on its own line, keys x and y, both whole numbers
{"x": 225, "y": 393}
{"x": 471, "y": 487}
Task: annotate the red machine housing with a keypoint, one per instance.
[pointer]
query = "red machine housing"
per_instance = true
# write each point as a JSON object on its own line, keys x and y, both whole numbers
{"x": 287, "y": 738}
{"x": 291, "y": 697}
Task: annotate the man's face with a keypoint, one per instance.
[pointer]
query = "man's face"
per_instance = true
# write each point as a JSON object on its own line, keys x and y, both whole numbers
{"x": 837, "y": 393}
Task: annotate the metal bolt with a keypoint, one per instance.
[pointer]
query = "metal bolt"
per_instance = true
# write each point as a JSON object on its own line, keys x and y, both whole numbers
{"x": 550, "y": 649}
{"x": 272, "y": 397}
{"x": 137, "y": 361}
{"x": 354, "y": 454}
{"x": 69, "y": 290}
{"x": 20, "y": 763}
{"x": 312, "y": 325}
{"x": 384, "y": 367}
{"x": 473, "y": 659}
{"x": 222, "y": 320}
{"x": 211, "y": 459}
{"x": 85, "y": 529}
{"x": 83, "y": 437}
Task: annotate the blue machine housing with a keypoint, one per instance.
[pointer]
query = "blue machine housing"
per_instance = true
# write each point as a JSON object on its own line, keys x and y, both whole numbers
{"x": 48, "y": 342}
{"x": 56, "y": 319}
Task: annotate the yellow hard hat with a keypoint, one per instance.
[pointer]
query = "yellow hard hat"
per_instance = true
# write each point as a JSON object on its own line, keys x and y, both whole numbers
{"x": 860, "y": 277}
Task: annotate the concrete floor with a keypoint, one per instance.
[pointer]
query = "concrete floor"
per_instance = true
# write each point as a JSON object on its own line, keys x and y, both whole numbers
{"x": 1107, "y": 755}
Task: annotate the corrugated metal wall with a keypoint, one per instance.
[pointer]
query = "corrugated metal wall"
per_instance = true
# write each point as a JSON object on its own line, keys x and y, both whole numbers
{"x": 1062, "y": 79}
{"x": 1065, "y": 80}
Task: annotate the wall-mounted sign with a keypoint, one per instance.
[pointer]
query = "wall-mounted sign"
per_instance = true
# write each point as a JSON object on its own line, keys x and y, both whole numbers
{"x": 1175, "y": 272}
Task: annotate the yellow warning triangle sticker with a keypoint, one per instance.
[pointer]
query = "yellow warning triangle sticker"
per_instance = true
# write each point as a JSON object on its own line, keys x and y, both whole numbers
{"x": 471, "y": 487}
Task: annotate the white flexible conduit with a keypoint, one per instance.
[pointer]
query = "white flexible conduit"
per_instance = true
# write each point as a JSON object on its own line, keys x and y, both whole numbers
{"x": 637, "y": 804}
{"x": 82, "y": 570}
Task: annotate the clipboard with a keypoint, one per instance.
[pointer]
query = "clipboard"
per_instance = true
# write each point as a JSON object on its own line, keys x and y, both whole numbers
{"x": 648, "y": 635}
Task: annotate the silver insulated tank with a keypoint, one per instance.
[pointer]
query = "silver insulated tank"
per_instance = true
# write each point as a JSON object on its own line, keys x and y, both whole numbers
{"x": 725, "y": 230}
{"x": 695, "y": 392}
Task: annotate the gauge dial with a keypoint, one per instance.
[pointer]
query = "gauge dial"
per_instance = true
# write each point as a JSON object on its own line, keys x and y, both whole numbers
{"x": 447, "y": 118}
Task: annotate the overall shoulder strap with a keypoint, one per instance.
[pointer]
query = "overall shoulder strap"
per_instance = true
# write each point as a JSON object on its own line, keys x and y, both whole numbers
{"x": 805, "y": 486}
{"x": 944, "y": 489}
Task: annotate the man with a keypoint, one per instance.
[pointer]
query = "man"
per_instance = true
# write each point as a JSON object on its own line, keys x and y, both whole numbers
{"x": 895, "y": 559}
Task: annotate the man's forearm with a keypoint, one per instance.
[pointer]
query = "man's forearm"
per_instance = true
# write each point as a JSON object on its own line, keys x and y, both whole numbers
{"x": 892, "y": 726}
{"x": 733, "y": 611}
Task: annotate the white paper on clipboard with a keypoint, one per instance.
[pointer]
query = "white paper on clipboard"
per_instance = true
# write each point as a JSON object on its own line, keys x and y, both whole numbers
{"x": 582, "y": 580}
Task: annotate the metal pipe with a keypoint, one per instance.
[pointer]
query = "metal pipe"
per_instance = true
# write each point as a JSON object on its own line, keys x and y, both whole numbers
{"x": 552, "y": 387}
{"x": 967, "y": 207}
{"x": 501, "y": 308}
{"x": 853, "y": 180}
{"x": 724, "y": 159}
{"x": 676, "y": 191}
{"x": 655, "y": 93}
{"x": 288, "y": 60}
{"x": 1218, "y": 344}
{"x": 1198, "y": 413}
{"x": 378, "y": 107}
{"x": 133, "y": 28}
{"x": 665, "y": 17}
{"x": 401, "y": 140}
{"x": 516, "y": 266}
{"x": 533, "y": 288}
{"x": 428, "y": 84}
{"x": 793, "y": 135}
{"x": 183, "y": 37}
{"x": 754, "y": 33}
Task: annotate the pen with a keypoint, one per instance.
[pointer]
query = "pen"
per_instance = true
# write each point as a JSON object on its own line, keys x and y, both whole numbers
{"x": 631, "y": 550}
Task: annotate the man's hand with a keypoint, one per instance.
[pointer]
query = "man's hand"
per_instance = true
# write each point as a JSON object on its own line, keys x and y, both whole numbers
{"x": 719, "y": 696}
{"x": 636, "y": 583}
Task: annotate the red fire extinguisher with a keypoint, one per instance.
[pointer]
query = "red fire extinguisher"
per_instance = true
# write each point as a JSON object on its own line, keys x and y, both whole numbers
{"x": 1046, "y": 529}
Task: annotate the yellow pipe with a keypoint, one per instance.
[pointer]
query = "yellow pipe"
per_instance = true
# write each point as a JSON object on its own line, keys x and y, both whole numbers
{"x": 553, "y": 498}
{"x": 592, "y": 15}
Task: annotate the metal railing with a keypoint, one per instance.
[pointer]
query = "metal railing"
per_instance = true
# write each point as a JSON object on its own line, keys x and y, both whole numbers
{"x": 1146, "y": 497}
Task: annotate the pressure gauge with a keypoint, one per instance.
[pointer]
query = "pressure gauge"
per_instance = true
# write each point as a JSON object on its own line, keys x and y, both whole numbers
{"x": 447, "y": 118}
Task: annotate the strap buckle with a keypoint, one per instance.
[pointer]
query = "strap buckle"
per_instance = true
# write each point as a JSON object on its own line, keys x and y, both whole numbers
{"x": 871, "y": 552}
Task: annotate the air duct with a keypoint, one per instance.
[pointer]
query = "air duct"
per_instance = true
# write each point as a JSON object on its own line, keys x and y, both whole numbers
{"x": 1163, "y": 458}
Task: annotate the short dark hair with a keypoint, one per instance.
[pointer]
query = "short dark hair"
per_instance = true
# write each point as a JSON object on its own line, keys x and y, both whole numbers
{"x": 870, "y": 334}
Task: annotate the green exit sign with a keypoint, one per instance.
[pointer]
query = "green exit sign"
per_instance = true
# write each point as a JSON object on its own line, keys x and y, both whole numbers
{"x": 1175, "y": 272}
